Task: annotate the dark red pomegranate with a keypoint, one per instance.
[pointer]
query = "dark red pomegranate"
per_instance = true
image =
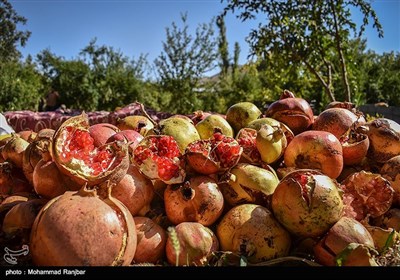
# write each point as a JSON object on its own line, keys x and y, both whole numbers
{"x": 295, "y": 112}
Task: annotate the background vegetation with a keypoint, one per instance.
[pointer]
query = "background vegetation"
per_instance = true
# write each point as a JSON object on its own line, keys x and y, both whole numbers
{"x": 309, "y": 47}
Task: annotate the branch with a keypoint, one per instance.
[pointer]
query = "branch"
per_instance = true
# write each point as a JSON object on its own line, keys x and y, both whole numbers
{"x": 319, "y": 77}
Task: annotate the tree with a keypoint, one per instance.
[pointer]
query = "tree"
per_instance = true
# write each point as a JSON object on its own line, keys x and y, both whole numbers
{"x": 307, "y": 32}
{"x": 10, "y": 36}
{"x": 223, "y": 46}
{"x": 184, "y": 61}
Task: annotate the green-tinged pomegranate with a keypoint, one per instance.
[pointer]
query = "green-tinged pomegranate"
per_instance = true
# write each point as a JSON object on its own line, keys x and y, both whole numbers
{"x": 159, "y": 158}
{"x": 140, "y": 124}
{"x": 307, "y": 203}
{"x": 313, "y": 149}
{"x": 252, "y": 231}
{"x": 76, "y": 155}
{"x": 271, "y": 143}
{"x": 212, "y": 123}
{"x": 257, "y": 124}
{"x": 182, "y": 129}
{"x": 241, "y": 114}
{"x": 198, "y": 199}
{"x": 339, "y": 236}
{"x": 83, "y": 229}
{"x": 190, "y": 244}
{"x": 246, "y": 183}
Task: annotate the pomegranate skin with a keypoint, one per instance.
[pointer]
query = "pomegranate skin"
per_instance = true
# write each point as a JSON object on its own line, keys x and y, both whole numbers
{"x": 319, "y": 150}
{"x": 80, "y": 229}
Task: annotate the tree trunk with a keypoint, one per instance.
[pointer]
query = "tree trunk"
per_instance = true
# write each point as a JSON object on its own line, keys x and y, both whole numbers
{"x": 327, "y": 88}
{"x": 341, "y": 56}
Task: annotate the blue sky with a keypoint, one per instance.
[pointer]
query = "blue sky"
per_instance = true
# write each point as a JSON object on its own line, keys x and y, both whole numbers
{"x": 138, "y": 26}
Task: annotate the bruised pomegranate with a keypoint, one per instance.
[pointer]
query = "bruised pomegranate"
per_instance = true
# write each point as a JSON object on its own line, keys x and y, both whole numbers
{"x": 190, "y": 244}
{"x": 252, "y": 231}
{"x": 198, "y": 199}
{"x": 247, "y": 183}
{"x": 239, "y": 115}
{"x": 214, "y": 155}
{"x": 135, "y": 191}
{"x": 140, "y": 124}
{"x": 151, "y": 240}
{"x": 212, "y": 123}
{"x": 384, "y": 138}
{"x": 335, "y": 120}
{"x": 76, "y": 155}
{"x": 391, "y": 172}
{"x": 12, "y": 180}
{"x": 341, "y": 234}
{"x": 307, "y": 203}
{"x": 83, "y": 229}
{"x": 159, "y": 157}
{"x": 295, "y": 112}
{"x": 366, "y": 194}
{"x": 35, "y": 151}
{"x": 13, "y": 150}
{"x": 319, "y": 150}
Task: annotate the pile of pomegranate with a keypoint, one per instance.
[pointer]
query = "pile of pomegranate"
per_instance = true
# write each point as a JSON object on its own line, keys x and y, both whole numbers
{"x": 248, "y": 187}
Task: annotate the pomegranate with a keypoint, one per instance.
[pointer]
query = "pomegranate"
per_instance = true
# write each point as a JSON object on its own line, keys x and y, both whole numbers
{"x": 384, "y": 139}
{"x": 319, "y": 150}
{"x": 247, "y": 183}
{"x": 336, "y": 240}
{"x": 335, "y": 120}
{"x": 135, "y": 191}
{"x": 21, "y": 216}
{"x": 239, "y": 115}
{"x": 211, "y": 124}
{"x": 49, "y": 182}
{"x": 182, "y": 129}
{"x": 390, "y": 219}
{"x": 76, "y": 155}
{"x": 252, "y": 231}
{"x": 27, "y": 135}
{"x": 127, "y": 136}
{"x": 101, "y": 132}
{"x": 383, "y": 238}
{"x": 295, "y": 112}
{"x": 13, "y": 150}
{"x": 12, "y": 180}
{"x": 367, "y": 195}
{"x": 257, "y": 124}
{"x": 214, "y": 155}
{"x": 159, "y": 157}
{"x": 190, "y": 244}
{"x": 151, "y": 241}
{"x": 83, "y": 229}
{"x": 140, "y": 124}
{"x": 198, "y": 199}
{"x": 246, "y": 137}
{"x": 355, "y": 147}
{"x": 391, "y": 172}
{"x": 200, "y": 115}
{"x": 271, "y": 143}
{"x": 307, "y": 203}
{"x": 35, "y": 150}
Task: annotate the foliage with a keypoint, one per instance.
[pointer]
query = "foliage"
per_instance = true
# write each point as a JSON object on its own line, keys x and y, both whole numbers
{"x": 20, "y": 86}
{"x": 183, "y": 62}
{"x": 306, "y": 33}
{"x": 10, "y": 36}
